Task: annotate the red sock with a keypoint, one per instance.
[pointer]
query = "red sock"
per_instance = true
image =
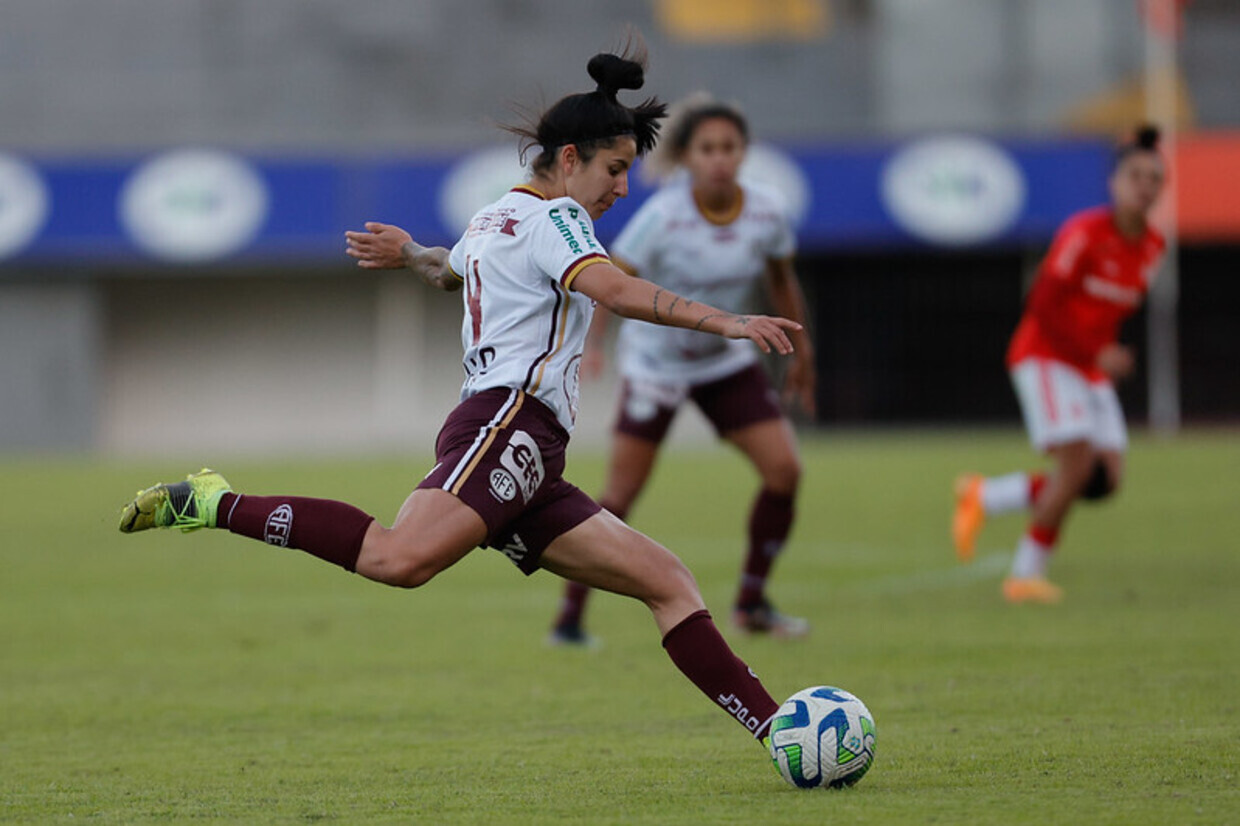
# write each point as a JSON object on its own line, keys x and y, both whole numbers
{"x": 575, "y": 594}
{"x": 699, "y": 651}
{"x": 1037, "y": 481}
{"x": 770, "y": 521}
{"x": 332, "y": 531}
{"x": 1046, "y": 537}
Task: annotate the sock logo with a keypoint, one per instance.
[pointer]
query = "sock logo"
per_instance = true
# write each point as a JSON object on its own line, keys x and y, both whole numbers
{"x": 737, "y": 709}
{"x": 279, "y": 526}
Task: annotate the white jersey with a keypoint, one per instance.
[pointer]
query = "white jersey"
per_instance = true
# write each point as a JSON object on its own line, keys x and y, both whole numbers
{"x": 523, "y": 326}
{"x": 671, "y": 243}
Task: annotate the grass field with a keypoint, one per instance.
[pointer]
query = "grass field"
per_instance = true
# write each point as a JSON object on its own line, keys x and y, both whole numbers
{"x": 206, "y": 678}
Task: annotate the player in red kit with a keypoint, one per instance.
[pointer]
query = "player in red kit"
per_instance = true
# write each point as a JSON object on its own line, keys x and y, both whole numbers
{"x": 1064, "y": 359}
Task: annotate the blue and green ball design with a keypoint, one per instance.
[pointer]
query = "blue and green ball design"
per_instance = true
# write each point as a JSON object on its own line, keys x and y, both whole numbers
{"x": 823, "y": 737}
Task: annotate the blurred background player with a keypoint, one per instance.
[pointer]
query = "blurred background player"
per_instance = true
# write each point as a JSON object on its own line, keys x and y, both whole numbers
{"x": 1064, "y": 359}
{"x": 531, "y": 271}
{"x": 710, "y": 238}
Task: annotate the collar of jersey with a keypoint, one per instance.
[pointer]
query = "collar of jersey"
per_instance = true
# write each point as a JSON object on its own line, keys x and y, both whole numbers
{"x": 721, "y": 219}
{"x": 529, "y": 190}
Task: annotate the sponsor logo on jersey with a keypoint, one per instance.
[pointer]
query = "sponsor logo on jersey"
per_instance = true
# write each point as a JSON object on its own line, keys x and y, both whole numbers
{"x": 503, "y": 486}
{"x": 1099, "y": 287}
{"x": 279, "y": 526}
{"x": 523, "y": 460}
{"x": 565, "y": 229}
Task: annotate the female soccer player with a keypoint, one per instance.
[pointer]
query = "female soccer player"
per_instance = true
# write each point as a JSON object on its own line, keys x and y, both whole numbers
{"x": 711, "y": 239}
{"x": 1064, "y": 358}
{"x": 531, "y": 271}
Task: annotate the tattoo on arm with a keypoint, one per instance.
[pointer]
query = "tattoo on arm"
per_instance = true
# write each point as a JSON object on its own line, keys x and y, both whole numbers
{"x": 708, "y": 317}
{"x": 672, "y": 307}
{"x": 655, "y": 302}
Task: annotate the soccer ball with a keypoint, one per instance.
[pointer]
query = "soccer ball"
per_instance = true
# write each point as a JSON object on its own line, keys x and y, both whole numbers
{"x": 822, "y": 737}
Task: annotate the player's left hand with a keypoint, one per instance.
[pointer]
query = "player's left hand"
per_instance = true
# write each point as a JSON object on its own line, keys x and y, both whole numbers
{"x": 799, "y": 383}
{"x": 1116, "y": 360}
{"x": 379, "y": 247}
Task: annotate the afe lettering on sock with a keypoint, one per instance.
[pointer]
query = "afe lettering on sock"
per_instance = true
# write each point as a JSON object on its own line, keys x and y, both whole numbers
{"x": 279, "y": 526}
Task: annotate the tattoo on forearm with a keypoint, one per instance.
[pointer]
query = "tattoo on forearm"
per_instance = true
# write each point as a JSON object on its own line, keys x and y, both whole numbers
{"x": 655, "y": 302}
{"x": 672, "y": 307}
{"x": 708, "y": 317}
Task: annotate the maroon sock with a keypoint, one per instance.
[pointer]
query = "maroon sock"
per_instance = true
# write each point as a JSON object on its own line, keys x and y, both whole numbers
{"x": 699, "y": 651}
{"x": 332, "y": 531}
{"x": 575, "y": 594}
{"x": 770, "y": 521}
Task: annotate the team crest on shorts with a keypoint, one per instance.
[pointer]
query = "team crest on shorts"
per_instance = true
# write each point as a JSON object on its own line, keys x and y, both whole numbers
{"x": 523, "y": 460}
{"x": 503, "y": 486}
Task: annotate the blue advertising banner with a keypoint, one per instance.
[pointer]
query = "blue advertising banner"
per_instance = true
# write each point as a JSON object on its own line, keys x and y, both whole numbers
{"x": 210, "y": 206}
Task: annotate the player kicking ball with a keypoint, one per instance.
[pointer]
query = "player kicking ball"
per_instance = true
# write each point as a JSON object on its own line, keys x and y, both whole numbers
{"x": 1064, "y": 360}
{"x": 531, "y": 271}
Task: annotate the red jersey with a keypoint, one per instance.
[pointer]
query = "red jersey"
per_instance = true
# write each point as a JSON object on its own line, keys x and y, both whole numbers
{"x": 1090, "y": 281}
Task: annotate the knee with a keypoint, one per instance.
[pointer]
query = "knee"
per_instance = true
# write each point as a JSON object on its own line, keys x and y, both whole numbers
{"x": 784, "y": 476}
{"x": 1100, "y": 484}
{"x": 401, "y": 566}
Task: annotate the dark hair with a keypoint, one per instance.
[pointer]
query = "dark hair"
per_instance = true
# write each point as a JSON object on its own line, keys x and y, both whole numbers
{"x": 682, "y": 133}
{"x": 683, "y": 120}
{"x": 592, "y": 120}
{"x": 1145, "y": 139}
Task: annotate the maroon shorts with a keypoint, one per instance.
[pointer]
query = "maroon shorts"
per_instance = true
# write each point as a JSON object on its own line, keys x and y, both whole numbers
{"x": 502, "y": 453}
{"x": 730, "y": 403}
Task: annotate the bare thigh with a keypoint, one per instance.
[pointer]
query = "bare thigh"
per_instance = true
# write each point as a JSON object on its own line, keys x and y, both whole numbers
{"x": 432, "y": 531}
{"x": 605, "y": 553}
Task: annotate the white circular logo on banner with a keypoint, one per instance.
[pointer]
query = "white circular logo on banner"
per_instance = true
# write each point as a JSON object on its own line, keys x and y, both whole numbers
{"x": 24, "y": 204}
{"x": 477, "y": 180}
{"x": 776, "y": 169}
{"x": 953, "y": 190}
{"x": 193, "y": 205}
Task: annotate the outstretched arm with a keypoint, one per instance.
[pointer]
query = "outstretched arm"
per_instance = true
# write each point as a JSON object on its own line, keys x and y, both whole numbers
{"x": 636, "y": 298}
{"x": 388, "y": 247}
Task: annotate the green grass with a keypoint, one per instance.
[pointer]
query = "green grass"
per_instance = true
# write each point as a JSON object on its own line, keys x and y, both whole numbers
{"x": 206, "y": 678}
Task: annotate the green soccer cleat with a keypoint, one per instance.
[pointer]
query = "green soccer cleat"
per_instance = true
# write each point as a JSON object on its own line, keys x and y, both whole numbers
{"x": 187, "y": 505}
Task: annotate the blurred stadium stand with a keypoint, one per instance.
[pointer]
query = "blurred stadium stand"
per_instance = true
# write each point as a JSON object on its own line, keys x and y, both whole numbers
{"x": 279, "y": 345}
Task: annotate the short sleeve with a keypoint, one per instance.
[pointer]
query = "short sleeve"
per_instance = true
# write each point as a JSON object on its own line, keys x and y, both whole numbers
{"x": 782, "y": 239}
{"x": 456, "y": 259}
{"x": 637, "y": 243}
{"x": 1063, "y": 259}
{"x": 562, "y": 241}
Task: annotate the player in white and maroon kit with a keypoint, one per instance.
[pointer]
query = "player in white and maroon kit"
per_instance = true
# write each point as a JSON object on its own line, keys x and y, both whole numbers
{"x": 710, "y": 238}
{"x": 1064, "y": 358}
{"x": 531, "y": 271}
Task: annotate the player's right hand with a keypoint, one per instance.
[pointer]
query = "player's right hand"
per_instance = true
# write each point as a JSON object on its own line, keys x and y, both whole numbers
{"x": 768, "y": 332}
{"x": 379, "y": 247}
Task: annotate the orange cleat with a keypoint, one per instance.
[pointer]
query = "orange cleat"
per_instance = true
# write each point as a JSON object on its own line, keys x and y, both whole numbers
{"x": 1031, "y": 589}
{"x": 969, "y": 516}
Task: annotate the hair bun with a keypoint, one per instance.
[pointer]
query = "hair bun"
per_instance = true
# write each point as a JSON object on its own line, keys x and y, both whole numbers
{"x": 1147, "y": 137}
{"x": 614, "y": 73}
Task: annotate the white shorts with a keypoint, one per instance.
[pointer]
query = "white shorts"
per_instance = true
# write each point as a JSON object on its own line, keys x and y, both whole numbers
{"x": 1061, "y": 405}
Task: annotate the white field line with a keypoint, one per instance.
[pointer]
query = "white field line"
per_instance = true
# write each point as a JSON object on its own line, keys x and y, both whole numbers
{"x": 988, "y": 566}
